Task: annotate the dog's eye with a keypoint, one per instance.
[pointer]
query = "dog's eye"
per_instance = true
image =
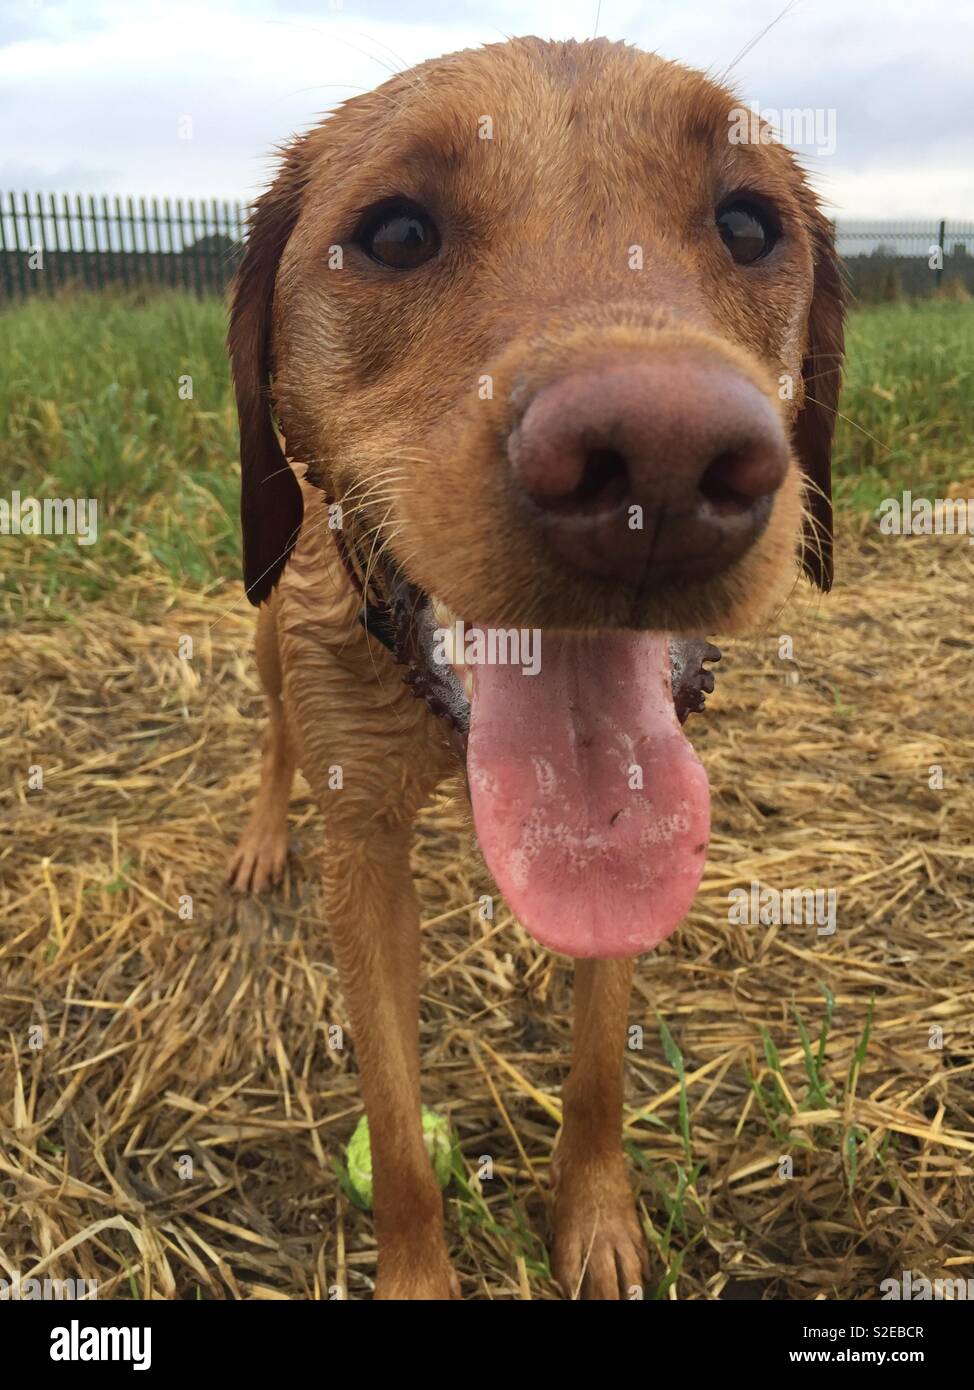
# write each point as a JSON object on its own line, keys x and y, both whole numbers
{"x": 748, "y": 230}
{"x": 399, "y": 235}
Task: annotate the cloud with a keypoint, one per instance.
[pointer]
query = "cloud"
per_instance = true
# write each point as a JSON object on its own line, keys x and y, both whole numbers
{"x": 92, "y": 98}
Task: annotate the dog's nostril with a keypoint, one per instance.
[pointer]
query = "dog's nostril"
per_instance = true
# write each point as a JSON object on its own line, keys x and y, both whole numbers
{"x": 604, "y": 482}
{"x": 718, "y": 485}
{"x": 583, "y": 482}
{"x": 729, "y": 484}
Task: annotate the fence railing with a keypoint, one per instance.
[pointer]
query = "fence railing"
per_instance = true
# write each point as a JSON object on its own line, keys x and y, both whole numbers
{"x": 49, "y": 241}
{"x": 904, "y": 238}
{"x": 889, "y": 260}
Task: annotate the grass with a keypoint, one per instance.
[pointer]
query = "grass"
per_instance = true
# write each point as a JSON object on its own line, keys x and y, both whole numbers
{"x": 90, "y": 406}
{"x": 909, "y": 402}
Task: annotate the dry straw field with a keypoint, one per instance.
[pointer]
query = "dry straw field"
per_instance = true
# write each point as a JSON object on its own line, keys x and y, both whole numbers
{"x": 163, "y": 1037}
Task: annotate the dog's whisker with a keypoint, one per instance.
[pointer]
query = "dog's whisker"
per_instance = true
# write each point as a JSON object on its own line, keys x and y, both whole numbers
{"x": 276, "y": 474}
{"x": 849, "y": 421}
{"x": 372, "y": 553}
{"x": 757, "y": 39}
{"x": 366, "y": 485}
{"x": 364, "y": 505}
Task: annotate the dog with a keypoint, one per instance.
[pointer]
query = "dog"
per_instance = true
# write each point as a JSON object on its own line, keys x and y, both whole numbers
{"x": 522, "y": 343}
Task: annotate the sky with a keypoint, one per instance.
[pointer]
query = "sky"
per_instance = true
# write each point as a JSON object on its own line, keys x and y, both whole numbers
{"x": 95, "y": 94}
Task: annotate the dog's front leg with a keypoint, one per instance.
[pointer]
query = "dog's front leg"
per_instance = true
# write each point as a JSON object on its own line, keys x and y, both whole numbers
{"x": 374, "y": 920}
{"x": 599, "y": 1247}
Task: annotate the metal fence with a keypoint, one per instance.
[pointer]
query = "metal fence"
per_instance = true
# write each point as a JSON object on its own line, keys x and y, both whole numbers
{"x": 893, "y": 260}
{"x": 904, "y": 238}
{"x": 49, "y": 241}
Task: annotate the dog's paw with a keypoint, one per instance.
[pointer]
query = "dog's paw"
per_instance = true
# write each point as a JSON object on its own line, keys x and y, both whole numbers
{"x": 599, "y": 1248}
{"x": 258, "y": 862}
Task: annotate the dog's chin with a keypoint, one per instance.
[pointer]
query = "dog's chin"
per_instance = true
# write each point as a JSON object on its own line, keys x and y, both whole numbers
{"x": 520, "y": 584}
{"x": 732, "y": 603}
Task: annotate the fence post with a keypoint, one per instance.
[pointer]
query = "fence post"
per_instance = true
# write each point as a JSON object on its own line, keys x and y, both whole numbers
{"x": 153, "y": 270}
{"x": 940, "y": 239}
{"x": 182, "y": 262}
{"x": 71, "y": 247}
{"x": 8, "y": 277}
{"x": 49, "y": 268}
{"x": 170, "y": 242}
{"x": 109, "y": 241}
{"x": 83, "y": 239}
{"x": 98, "y": 264}
{"x": 22, "y": 271}
{"x": 123, "y": 255}
{"x": 30, "y": 240}
{"x": 220, "y": 218}
{"x": 139, "y": 263}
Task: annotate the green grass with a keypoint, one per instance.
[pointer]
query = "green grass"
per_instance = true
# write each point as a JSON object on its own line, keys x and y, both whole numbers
{"x": 909, "y": 388}
{"x": 682, "y": 1186}
{"x": 90, "y": 407}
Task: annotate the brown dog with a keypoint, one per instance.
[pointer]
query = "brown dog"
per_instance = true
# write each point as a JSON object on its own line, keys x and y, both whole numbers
{"x": 550, "y": 352}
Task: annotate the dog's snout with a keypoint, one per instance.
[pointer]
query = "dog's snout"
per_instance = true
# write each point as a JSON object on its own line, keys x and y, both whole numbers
{"x": 662, "y": 470}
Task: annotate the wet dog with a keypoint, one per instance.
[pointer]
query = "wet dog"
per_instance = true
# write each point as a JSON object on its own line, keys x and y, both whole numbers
{"x": 552, "y": 355}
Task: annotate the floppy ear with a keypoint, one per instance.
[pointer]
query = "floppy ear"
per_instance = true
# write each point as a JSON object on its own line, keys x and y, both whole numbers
{"x": 270, "y": 497}
{"x": 822, "y": 377}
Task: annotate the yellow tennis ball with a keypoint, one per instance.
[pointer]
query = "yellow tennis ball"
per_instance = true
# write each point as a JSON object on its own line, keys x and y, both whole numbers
{"x": 358, "y": 1154}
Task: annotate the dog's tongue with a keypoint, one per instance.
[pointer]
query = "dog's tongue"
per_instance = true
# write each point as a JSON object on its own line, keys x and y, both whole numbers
{"x": 591, "y": 808}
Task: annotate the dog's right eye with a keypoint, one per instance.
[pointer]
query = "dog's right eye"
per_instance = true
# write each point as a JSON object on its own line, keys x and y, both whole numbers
{"x": 400, "y": 235}
{"x": 748, "y": 229}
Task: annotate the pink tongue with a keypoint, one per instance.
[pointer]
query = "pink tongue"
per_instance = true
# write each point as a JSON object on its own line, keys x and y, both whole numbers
{"x": 592, "y": 809}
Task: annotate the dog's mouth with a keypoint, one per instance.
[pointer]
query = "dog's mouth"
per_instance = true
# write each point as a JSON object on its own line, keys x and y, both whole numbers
{"x": 590, "y": 805}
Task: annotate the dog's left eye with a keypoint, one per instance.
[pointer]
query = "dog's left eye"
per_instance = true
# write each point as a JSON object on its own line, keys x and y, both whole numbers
{"x": 747, "y": 229}
{"x": 399, "y": 235}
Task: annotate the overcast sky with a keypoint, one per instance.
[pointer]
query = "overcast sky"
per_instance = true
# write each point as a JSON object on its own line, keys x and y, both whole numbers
{"x": 93, "y": 92}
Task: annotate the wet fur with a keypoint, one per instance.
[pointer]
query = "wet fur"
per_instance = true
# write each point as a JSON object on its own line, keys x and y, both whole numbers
{"x": 596, "y": 147}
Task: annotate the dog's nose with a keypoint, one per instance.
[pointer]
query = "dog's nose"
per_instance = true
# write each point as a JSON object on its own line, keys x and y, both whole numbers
{"x": 648, "y": 470}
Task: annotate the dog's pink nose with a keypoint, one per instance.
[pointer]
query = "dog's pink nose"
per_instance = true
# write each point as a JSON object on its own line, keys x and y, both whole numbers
{"x": 660, "y": 470}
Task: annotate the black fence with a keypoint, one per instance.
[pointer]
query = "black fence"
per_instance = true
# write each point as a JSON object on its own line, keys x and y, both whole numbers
{"x": 49, "y": 241}
{"x": 893, "y": 260}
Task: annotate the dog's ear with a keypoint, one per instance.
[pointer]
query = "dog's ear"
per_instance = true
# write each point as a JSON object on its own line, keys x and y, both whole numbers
{"x": 821, "y": 378}
{"x": 270, "y": 497}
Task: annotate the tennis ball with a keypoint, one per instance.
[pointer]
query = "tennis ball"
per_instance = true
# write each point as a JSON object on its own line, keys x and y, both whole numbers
{"x": 439, "y": 1144}
{"x": 358, "y": 1161}
{"x": 358, "y": 1154}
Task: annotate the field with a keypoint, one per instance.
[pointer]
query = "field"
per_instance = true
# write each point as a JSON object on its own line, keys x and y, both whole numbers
{"x": 90, "y": 406}
{"x": 172, "y": 1117}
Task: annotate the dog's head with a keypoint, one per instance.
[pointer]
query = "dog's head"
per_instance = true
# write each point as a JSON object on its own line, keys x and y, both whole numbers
{"x": 567, "y": 349}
